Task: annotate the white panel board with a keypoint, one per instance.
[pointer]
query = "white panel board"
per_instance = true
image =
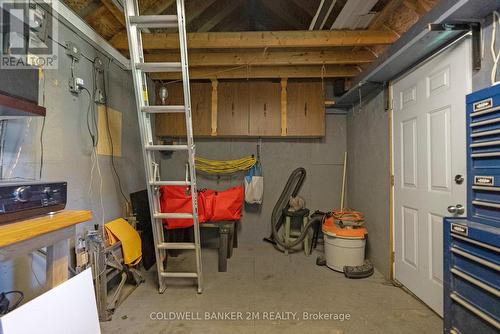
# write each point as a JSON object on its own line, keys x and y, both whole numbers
{"x": 68, "y": 308}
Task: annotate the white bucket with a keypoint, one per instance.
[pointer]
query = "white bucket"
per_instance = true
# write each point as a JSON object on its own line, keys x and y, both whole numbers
{"x": 340, "y": 252}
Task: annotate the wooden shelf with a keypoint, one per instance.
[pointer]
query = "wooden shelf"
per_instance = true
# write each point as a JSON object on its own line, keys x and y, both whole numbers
{"x": 15, "y": 232}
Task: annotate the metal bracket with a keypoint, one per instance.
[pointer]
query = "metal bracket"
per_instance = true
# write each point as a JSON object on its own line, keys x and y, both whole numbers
{"x": 474, "y": 28}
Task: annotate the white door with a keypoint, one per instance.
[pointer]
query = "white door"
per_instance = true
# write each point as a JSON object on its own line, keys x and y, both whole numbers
{"x": 429, "y": 153}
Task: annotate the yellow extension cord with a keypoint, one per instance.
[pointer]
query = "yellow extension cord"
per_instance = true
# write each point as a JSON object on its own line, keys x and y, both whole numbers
{"x": 224, "y": 166}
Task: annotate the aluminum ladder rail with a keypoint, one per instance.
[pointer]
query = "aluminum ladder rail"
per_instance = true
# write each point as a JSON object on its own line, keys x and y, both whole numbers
{"x": 135, "y": 23}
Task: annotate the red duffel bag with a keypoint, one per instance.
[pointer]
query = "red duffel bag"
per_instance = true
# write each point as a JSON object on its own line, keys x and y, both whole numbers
{"x": 177, "y": 199}
{"x": 212, "y": 205}
{"x": 228, "y": 204}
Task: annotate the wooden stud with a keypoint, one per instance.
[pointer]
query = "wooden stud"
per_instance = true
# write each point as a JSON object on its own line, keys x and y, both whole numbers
{"x": 270, "y": 58}
{"x": 214, "y": 107}
{"x": 262, "y": 39}
{"x": 117, "y": 14}
{"x": 284, "y": 82}
{"x": 263, "y": 72}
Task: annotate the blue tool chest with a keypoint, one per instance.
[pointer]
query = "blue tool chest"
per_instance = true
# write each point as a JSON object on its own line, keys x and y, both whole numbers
{"x": 472, "y": 245}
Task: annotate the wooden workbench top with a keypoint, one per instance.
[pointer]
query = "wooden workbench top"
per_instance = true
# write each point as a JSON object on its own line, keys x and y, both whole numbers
{"x": 11, "y": 233}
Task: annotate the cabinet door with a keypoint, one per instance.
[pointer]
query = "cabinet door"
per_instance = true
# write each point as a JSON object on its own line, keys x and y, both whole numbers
{"x": 232, "y": 109}
{"x": 265, "y": 112}
{"x": 305, "y": 109}
{"x": 201, "y": 105}
{"x": 174, "y": 125}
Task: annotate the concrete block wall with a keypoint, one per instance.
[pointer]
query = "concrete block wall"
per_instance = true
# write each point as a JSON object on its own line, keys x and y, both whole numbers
{"x": 322, "y": 159}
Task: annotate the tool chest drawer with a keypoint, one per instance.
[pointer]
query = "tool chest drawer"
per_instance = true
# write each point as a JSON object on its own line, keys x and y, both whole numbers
{"x": 483, "y": 155}
{"x": 471, "y": 277}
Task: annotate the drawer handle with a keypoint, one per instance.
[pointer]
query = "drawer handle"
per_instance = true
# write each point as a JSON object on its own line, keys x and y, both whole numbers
{"x": 476, "y": 282}
{"x": 485, "y": 155}
{"x": 486, "y": 143}
{"x": 484, "y": 133}
{"x": 475, "y": 310}
{"x": 486, "y": 188}
{"x": 484, "y": 112}
{"x": 477, "y": 243}
{"x": 485, "y": 122}
{"x": 487, "y": 204}
{"x": 476, "y": 259}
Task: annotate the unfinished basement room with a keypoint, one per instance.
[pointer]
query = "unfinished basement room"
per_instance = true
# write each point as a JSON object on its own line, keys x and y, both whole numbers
{"x": 249, "y": 166}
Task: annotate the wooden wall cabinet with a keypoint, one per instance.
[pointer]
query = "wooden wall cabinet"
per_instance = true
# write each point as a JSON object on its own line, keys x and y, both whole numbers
{"x": 232, "y": 109}
{"x": 305, "y": 109}
{"x": 265, "y": 114}
{"x": 248, "y": 109}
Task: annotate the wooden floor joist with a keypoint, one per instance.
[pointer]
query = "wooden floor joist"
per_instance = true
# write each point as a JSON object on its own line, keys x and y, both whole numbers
{"x": 268, "y": 58}
{"x": 263, "y": 72}
{"x": 262, "y": 39}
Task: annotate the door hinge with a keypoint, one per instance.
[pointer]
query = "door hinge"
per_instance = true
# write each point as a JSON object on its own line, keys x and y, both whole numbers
{"x": 392, "y": 180}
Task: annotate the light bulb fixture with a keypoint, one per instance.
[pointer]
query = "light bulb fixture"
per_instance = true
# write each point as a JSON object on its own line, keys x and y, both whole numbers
{"x": 163, "y": 94}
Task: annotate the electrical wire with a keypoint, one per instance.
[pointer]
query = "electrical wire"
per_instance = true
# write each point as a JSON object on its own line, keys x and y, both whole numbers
{"x": 224, "y": 166}
{"x": 42, "y": 73}
{"x": 108, "y": 129}
{"x": 18, "y": 301}
{"x": 494, "y": 54}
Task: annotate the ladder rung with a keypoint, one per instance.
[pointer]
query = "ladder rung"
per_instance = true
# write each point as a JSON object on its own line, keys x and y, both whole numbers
{"x": 179, "y": 275}
{"x": 154, "y": 21}
{"x": 159, "y": 67}
{"x": 177, "y": 245}
{"x": 173, "y": 215}
{"x": 163, "y": 109}
{"x": 167, "y": 147}
{"x": 169, "y": 183}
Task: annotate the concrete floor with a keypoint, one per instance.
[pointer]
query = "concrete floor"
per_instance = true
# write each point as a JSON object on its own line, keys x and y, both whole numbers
{"x": 263, "y": 282}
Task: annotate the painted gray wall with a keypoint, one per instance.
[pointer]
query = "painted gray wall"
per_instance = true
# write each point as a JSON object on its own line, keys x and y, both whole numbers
{"x": 67, "y": 152}
{"x": 322, "y": 158}
{"x": 368, "y": 175}
{"x": 368, "y": 168}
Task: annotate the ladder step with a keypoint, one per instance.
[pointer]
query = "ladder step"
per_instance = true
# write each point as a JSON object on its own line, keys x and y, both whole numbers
{"x": 159, "y": 67}
{"x": 167, "y": 147}
{"x": 179, "y": 275}
{"x": 163, "y": 109}
{"x": 173, "y": 216}
{"x": 169, "y": 183}
{"x": 177, "y": 245}
{"x": 154, "y": 21}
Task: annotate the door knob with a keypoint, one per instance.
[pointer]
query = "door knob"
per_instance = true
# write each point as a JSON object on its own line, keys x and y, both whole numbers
{"x": 456, "y": 209}
{"x": 459, "y": 179}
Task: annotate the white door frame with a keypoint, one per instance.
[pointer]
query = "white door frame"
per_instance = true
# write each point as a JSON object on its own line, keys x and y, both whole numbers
{"x": 466, "y": 39}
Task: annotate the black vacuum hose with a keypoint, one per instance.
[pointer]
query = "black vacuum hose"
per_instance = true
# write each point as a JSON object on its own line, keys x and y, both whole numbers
{"x": 292, "y": 188}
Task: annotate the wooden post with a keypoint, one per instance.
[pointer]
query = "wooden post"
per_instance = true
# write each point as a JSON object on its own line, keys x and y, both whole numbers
{"x": 284, "y": 82}
{"x": 214, "y": 107}
{"x": 57, "y": 263}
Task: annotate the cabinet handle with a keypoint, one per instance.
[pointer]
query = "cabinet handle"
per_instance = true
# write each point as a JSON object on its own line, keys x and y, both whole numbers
{"x": 305, "y": 109}
{"x": 471, "y": 308}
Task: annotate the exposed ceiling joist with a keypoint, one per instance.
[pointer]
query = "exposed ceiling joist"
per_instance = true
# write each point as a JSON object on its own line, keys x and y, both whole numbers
{"x": 220, "y": 15}
{"x": 285, "y": 11}
{"x": 194, "y": 9}
{"x": 352, "y": 13}
{"x": 271, "y": 39}
{"x": 158, "y": 7}
{"x": 263, "y": 72}
{"x": 115, "y": 11}
{"x": 271, "y": 58}
{"x": 324, "y": 10}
